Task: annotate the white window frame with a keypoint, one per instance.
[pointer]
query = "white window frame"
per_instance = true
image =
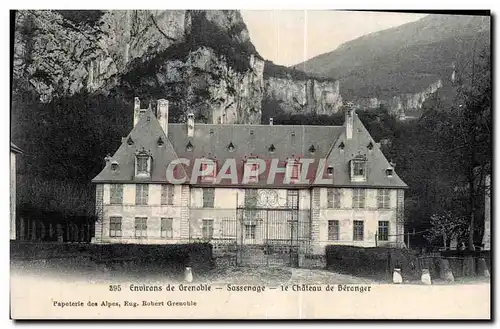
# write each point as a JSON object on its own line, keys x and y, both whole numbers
{"x": 384, "y": 199}
{"x": 164, "y": 232}
{"x": 115, "y": 194}
{"x": 113, "y": 232}
{"x": 356, "y": 177}
{"x": 358, "y": 199}
{"x": 356, "y": 237}
{"x": 142, "y": 196}
{"x": 205, "y": 227}
{"x": 332, "y": 235}
{"x": 142, "y": 173}
{"x": 143, "y": 232}
{"x": 167, "y": 194}
{"x": 386, "y": 237}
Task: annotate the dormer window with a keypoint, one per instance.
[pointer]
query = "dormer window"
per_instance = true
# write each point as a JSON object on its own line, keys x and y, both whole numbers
{"x": 389, "y": 172}
{"x": 252, "y": 170}
{"x": 230, "y": 147}
{"x": 312, "y": 149}
{"x": 293, "y": 169}
{"x": 143, "y": 163}
{"x": 272, "y": 148}
{"x": 370, "y": 146}
{"x": 189, "y": 146}
{"x": 358, "y": 169}
{"x": 130, "y": 141}
{"x": 160, "y": 141}
{"x": 208, "y": 168}
{"x": 114, "y": 166}
{"x": 341, "y": 146}
{"x": 329, "y": 171}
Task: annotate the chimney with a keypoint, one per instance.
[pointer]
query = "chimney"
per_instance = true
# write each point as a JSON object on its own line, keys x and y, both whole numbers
{"x": 137, "y": 110}
{"x": 349, "y": 120}
{"x": 162, "y": 114}
{"x": 271, "y": 121}
{"x": 190, "y": 124}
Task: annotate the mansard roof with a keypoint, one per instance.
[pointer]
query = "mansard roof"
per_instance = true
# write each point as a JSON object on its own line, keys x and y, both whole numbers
{"x": 144, "y": 137}
{"x": 240, "y": 142}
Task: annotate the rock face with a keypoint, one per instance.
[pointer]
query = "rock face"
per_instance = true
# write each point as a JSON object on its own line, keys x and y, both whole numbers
{"x": 309, "y": 96}
{"x": 402, "y": 104}
{"x": 202, "y": 61}
{"x": 59, "y": 57}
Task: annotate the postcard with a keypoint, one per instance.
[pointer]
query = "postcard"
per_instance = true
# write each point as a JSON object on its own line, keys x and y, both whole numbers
{"x": 244, "y": 164}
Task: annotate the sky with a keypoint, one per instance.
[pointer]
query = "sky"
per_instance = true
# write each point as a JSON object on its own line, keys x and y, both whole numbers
{"x": 289, "y": 37}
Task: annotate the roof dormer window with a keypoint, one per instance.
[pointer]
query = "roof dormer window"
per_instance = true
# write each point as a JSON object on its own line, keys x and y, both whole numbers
{"x": 230, "y": 147}
{"x": 370, "y": 146}
{"x": 130, "y": 141}
{"x": 389, "y": 172}
{"x": 293, "y": 168}
{"x": 358, "y": 169}
{"x": 252, "y": 170}
{"x": 114, "y": 166}
{"x": 143, "y": 163}
{"x": 208, "y": 168}
{"x": 160, "y": 141}
{"x": 272, "y": 148}
{"x": 341, "y": 146}
{"x": 312, "y": 149}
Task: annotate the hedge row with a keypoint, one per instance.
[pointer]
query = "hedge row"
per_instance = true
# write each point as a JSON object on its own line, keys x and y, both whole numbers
{"x": 197, "y": 255}
{"x": 375, "y": 262}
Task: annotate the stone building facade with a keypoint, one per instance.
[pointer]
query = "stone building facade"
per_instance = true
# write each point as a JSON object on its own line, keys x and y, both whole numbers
{"x": 331, "y": 185}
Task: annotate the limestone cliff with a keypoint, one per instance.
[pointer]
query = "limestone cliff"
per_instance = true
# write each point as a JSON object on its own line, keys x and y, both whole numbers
{"x": 400, "y": 105}
{"x": 304, "y": 96}
{"x": 201, "y": 61}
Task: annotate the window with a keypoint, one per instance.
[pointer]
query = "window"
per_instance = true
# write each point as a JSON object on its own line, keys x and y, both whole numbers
{"x": 389, "y": 172}
{"x": 141, "y": 227}
{"x": 250, "y": 231}
{"x": 167, "y": 194}
{"x": 116, "y": 191}
{"x": 329, "y": 171}
{"x": 383, "y": 231}
{"x": 358, "y": 170}
{"x": 333, "y": 230}
{"x": 358, "y": 198}
{"x": 115, "y": 227}
{"x": 208, "y": 197}
{"x": 252, "y": 168}
{"x": 167, "y": 231}
{"x": 293, "y": 170}
{"x": 358, "y": 230}
{"x": 208, "y": 167}
{"x": 333, "y": 196}
{"x": 142, "y": 165}
{"x": 292, "y": 199}
{"x": 383, "y": 199}
{"x": 141, "y": 194}
{"x": 207, "y": 231}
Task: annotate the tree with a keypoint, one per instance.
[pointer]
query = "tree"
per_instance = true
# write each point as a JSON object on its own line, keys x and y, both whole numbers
{"x": 446, "y": 226}
{"x": 468, "y": 134}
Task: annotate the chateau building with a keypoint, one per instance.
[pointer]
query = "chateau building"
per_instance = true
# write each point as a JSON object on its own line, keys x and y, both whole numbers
{"x": 279, "y": 187}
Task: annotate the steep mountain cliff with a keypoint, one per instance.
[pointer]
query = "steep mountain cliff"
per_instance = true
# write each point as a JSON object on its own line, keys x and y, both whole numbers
{"x": 201, "y": 61}
{"x": 399, "y": 67}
